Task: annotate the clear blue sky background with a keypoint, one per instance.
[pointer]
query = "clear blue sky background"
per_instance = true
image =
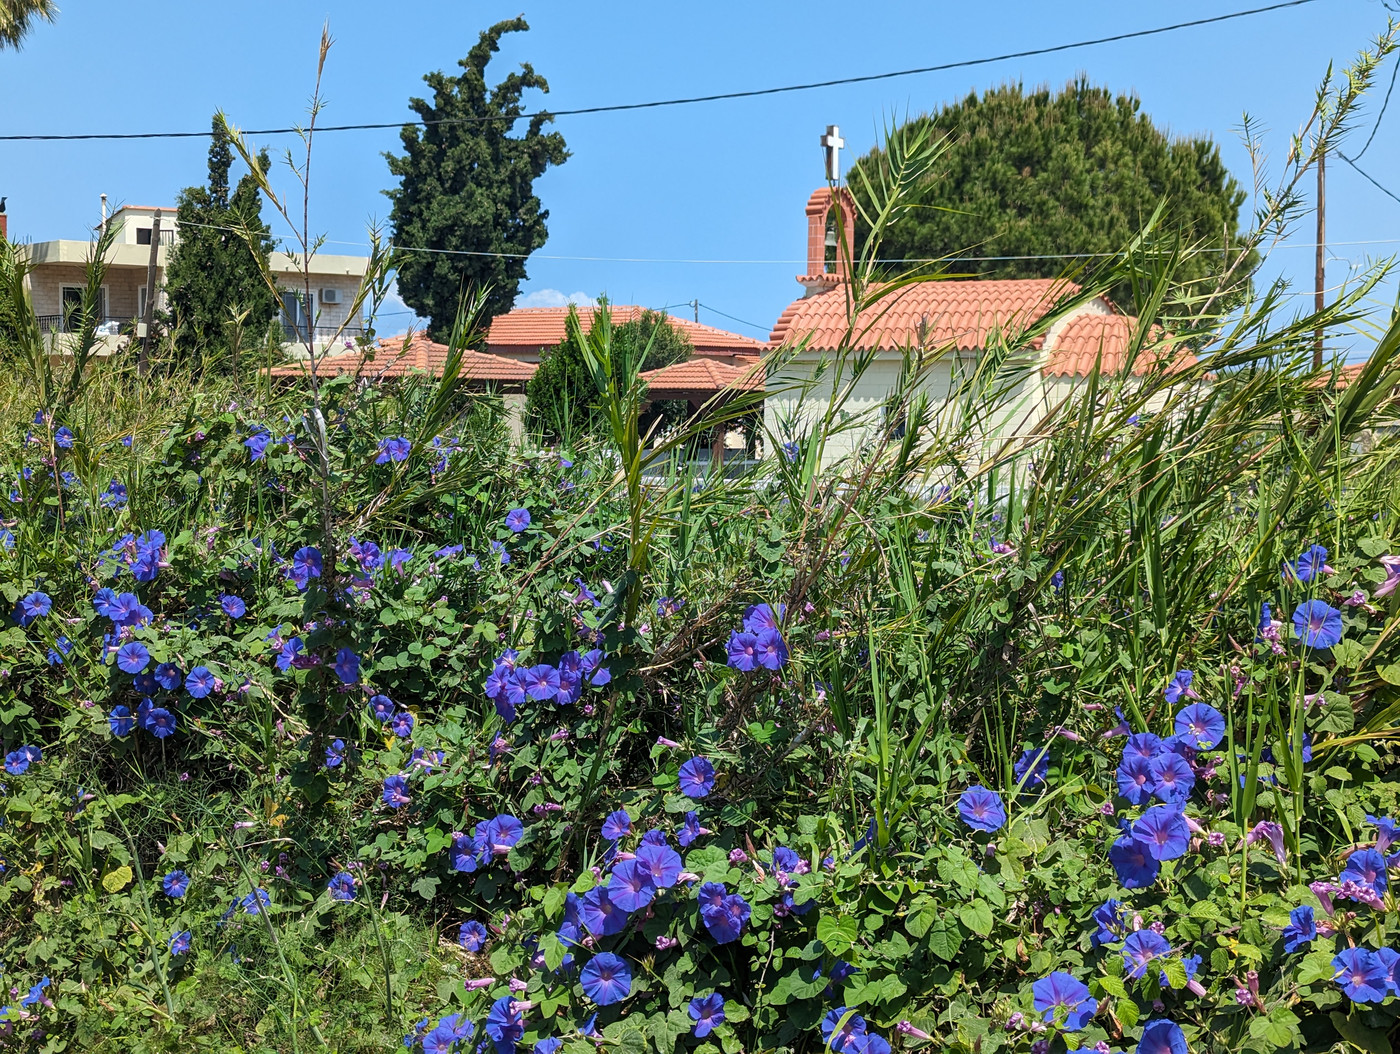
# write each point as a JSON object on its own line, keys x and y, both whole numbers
{"x": 717, "y": 181}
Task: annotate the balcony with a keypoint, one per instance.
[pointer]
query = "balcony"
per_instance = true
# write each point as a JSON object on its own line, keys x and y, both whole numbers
{"x": 107, "y": 325}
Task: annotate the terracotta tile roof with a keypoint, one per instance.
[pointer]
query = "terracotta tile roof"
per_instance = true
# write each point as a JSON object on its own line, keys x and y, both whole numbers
{"x": 544, "y": 327}
{"x": 420, "y": 356}
{"x": 702, "y": 377}
{"x": 1086, "y": 336}
{"x": 948, "y": 312}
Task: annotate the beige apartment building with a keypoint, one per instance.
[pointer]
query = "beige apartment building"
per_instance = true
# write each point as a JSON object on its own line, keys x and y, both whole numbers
{"x": 58, "y": 276}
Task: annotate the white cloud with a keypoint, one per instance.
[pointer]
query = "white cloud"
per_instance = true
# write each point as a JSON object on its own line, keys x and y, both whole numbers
{"x": 554, "y": 298}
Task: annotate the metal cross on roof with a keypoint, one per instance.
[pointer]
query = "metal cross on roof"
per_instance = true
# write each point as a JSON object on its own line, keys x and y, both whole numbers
{"x": 833, "y": 143}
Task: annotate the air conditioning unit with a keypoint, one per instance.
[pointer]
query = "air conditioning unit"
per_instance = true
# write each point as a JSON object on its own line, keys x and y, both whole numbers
{"x": 330, "y": 296}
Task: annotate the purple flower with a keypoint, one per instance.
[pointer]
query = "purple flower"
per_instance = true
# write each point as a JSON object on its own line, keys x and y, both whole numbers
{"x": 600, "y": 915}
{"x": 200, "y": 682}
{"x": 1111, "y": 918}
{"x": 541, "y": 682}
{"x": 505, "y": 1024}
{"x": 306, "y": 565}
{"x": 169, "y": 676}
{"x": 401, "y": 724}
{"x": 342, "y": 886}
{"x": 982, "y": 809}
{"x": 1319, "y": 624}
{"x": 1387, "y": 833}
{"x": 760, "y": 617}
{"x": 64, "y": 438}
{"x": 1392, "y": 576}
{"x": 606, "y": 979}
{"x": 1033, "y": 766}
{"x": 395, "y": 792}
{"x": 233, "y": 606}
{"x": 1162, "y": 1037}
{"x": 120, "y": 721}
{"x": 382, "y": 707}
{"x": 1311, "y": 564}
{"x": 662, "y": 864}
{"x": 1139, "y": 948}
{"x": 1202, "y": 724}
{"x": 1273, "y": 833}
{"x": 1063, "y": 996}
{"x": 1143, "y": 744}
{"x": 1360, "y": 974}
{"x": 160, "y": 722}
{"x": 770, "y": 649}
{"x": 133, "y": 657}
{"x": 841, "y": 1035}
{"x": 1366, "y": 867}
{"x": 690, "y": 830}
{"x": 1180, "y": 685}
{"x": 743, "y": 651}
{"x": 1136, "y": 866}
{"x": 706, "y": 1011}
{"x": 1164, "y": 831}
{"x": 617, "y": 825}
{"x": 1301, "y": 928}
{"x": 726, "y": 922}
{"x": 347, "y": 666}
{"x": 472, "y": 936}
{"x": 257, "y": 445}
{"x": 630, "y": 886}
{"x": 176, "y": 884}
{"x": 34, "y": 606}
{"x": 1172, "y": 778}
{"x": 696, "y": 778}
{"x": 1389, "y": 959}
{"x": 180, "y": 942}
{"x": 1135, "y": 780}
{"x": 518, "y": 519}
{"x": 335, "y": 753}
{"x": 501, "y": 833}
{"x": 394, "y": 448}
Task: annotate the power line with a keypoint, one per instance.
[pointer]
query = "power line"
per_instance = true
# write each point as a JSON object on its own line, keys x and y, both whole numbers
{"x": 1380, "y": 116}
{"x": 735, "y": 318}
{"x": 716, "y": 97}
{"x": 1367, "y": 176}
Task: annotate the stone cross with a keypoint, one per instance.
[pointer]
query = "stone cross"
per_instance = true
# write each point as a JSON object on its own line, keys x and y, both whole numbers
{"x": 833, "y": 143}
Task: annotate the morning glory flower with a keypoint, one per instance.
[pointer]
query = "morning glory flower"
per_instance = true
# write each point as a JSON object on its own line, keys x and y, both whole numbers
{"x": 617, "y": 825}
{"x": 1143, "y": 744}
{"x": 133, "y": 657}
{"x": 1392, "y": 576}
{"x": 1311, "y": 564}
{"x": 168, "y": 676}
{"x": 518, "y": 519}
{"x": 691, "y": 830}
{"x": 501, "y": 833}
{"x": 395, "y": 448}
{"x": 1162, "y": 1037}
{"x": 341, "y": 886}
{"x": 770, "y": 649}
{"x": 1140, "y": 947}
{"x": 706, "y": 1011}
{"x": 233, "y": 606}
{"x": 630, "y": 886}
{"x": 175, "y": 884}
{"x": 1301, "y": 928}
{"x": 1135, "y": 780}
{"x": 401, "y": 724}
{"x": 982, "y": 809}
{"x": 64, "y": 438}
{"x": 1172, "y": 778}
{"x": 257, "y": 445}
{"x": 1137, "y": 868}
{"x": 600, "y": 915}
{"x": 395, "y": 792}
{"x": 1180, "y": 685}
{"x": 1063, "y": 996}
{"x": 382, "y": 707}
{"x": 505, "y": 1024}
{"x": 1318, "y": 623}
{"x": 1360, "y": 974}
{"x": 1366, "y": 867}
{"x": 180, "y": 942}
{"x": 346, "y": 666}
{"x": 472, "y": 936}
{"x": 842, "y": 1038}
{"x": 254, "y": 902}
{"x": 541, "y": 682}
{"x": 743, "y": 651}
{"x": 696, "y": 778}
{"x": 120, "y": 721}
{"x": 306, "y": 565}
{"x": 760, "y": 617}
{"x": 200, "y": 682}
{"x": 160, "y": 722}
{"x": 1164, "y": 831}
{"x": 726, "y": 922}
{"x": 335, "y": 753}
{"x": 661, "y": 863}
{"x": 606, "y": 979}
{"x": 1111, "y": 919}
{"x": 1034, "y": 777}
{"x": 1204, "y": 725}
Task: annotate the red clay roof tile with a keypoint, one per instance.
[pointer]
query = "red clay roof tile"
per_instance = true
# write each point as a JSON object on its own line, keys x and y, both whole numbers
{"x": 421, "y": 355}
{"x": 1090, "y": 337}
{"x": 702, "y": 377}
{"x": 544, "y": 327}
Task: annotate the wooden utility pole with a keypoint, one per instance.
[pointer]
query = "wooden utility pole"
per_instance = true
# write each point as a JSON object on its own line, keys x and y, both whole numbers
{"x": 696, "y": 305}
{"x": 143, "y": 360}
{"x": 1320, "y": 266}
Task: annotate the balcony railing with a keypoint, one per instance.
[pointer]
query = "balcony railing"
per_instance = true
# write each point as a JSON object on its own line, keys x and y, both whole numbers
{"x": 108, "y": 325}
{"x": 319, "y": 334}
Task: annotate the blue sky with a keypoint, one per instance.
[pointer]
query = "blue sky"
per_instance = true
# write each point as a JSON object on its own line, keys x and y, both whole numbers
{"x": 724, "y": 181}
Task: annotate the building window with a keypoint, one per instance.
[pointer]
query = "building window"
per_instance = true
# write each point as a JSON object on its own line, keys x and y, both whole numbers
{"x": 71, "y": 300}
{"x": 143, "y": 236}
{"x": 296, "y": 315}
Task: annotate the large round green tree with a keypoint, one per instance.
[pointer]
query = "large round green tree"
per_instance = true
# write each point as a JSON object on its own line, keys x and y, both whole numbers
{"x": 466, "y": 187}
{"x": 1059, "y": 176}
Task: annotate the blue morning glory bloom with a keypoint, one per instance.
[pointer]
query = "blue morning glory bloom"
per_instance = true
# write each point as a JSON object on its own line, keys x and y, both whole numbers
{"x": 617, "y": 824}
{"x": 306, "y": 565}
{"x": 133, "y": 657}
{"x": 1057, "y": 581}
{"x": 760, "y": 617}
{"x": 145, "y": 683}
{"x": 600, "y": 915}
{"x": 1172, "y": 777}
{"x": 1311, "y": 564}
{"x": 120, "y": 721}
{"x": 842, "y": 1037}
{"x": 1389, "y": 959}
{"x": 394, "y": 448}
{"x": 1139, "y": 948}
{"x": 472, "y": 936}
{"x": 696, "y": 778}
{"x": 175, "y": 884}
{"x": 1137, "y": 868}
{"x": 606, "y": 979}
{"x": 743, "y": 651}
{"x": 661, "y": 863}
{"x": 382, "y": 707}
{"x": 1180, "y": 685}
{"x": 982, "y": 809}
{"x": 335, "y": 753}
{"x": 1164, "y": 831}
{"x": 402, "y": 724}
{"x": 548, "y": 1045}
{"x": 36, "y": 993}
{"x": 1162, "y": 1036}
{"x": 630, "y": 886}
{"x": 288, "y": 653}
{"x": 168, "y": 676}
{"x": 1318, "y": 624}
{"x": 1301, "y": 928}
{"x": 1135, "y": 780}
{"x": 200, "y": 682}
{"x": 1111, "y": 918}
{"x": 341, "y": 886}
{"x": 1062, "y": 996}
{"x": 395, "y": 791}
{"x": 770, "y": 649}
{"x": 1360, "y": 974}
{"x": 691, "y": 830}
{"x": 1366, "y": 867}
{"x": 726, "y": 921}
{"x": 706, "y": 1011}
{"x": 541, "y": 682}
{"x": 1387, "y": 831}
{"x": 160, "y": 722}
{"x": 254, "y": 902}
{"x": 233, "y": 606}
{"x": 180, "y": 942}
{"x": 1203, "y": 725}
{"x": 64, "y": 438}
{"x": 505, "y": 1024}
{"x": 498, "y": 547}
{"x": 518, "y": 519}
{"x": 1034, "y": 777}
{"x": 1142, "y": 744}
{"x": 257, "y": 445}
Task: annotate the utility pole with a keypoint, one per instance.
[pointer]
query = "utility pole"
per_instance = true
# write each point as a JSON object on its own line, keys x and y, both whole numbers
{"x": 143, "y": 360}
{"x": 1320, "y": 265}
{"x": 696, "y": 305}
